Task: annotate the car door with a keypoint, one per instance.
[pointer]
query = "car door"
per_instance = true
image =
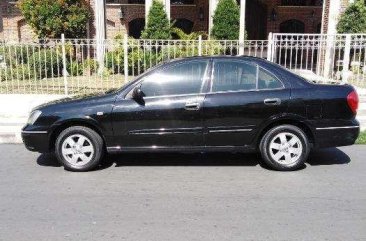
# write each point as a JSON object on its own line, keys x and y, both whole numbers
{"x": 170, "y": 113}
{"x": 242, "y": 96}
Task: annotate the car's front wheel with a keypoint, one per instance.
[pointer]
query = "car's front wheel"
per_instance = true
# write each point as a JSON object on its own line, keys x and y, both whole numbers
{"x": 79, "y": 148}
{"x": 285, "y": 148}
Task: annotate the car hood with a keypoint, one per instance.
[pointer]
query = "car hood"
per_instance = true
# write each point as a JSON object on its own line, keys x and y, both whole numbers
{"x": 85, "y": 98}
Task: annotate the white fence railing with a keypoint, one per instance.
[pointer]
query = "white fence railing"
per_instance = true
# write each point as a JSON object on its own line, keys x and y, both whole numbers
{"x": 339, "y": 58}
{"x": 72, "y": 66}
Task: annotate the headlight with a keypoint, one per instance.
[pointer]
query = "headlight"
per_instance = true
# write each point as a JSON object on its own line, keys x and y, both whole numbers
{"x": 33, "y": 117}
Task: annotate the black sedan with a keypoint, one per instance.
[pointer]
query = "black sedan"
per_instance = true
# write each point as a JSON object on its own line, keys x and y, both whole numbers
{"x": 235, "y": 104}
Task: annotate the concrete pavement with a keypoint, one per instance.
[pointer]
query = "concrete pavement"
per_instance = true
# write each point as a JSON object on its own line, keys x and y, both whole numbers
{"x": 183, "y": 197}
{"x": 14, "y": 111}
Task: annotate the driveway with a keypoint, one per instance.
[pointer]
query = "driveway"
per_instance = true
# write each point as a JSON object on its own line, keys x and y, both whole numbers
{"x": 183, "y": 197}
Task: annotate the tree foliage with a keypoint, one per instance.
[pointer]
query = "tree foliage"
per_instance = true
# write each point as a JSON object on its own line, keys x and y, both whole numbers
{"x": 353, "y": 20}
{"x": 226, "y": 20}
{"x": 51, "y": 18}
{"x": 158, "y": 26}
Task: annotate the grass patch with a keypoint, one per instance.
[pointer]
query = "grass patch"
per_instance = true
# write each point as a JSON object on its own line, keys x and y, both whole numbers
{"x": 361, "y": 138}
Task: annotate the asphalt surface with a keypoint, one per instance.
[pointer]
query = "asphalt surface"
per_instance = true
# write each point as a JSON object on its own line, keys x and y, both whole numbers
{"x": 183, "y": 197}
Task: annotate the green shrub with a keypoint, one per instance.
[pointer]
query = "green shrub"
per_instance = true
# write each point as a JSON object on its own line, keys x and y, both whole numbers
{"x": 20, "y": 72}
{"x": 114, "y": 61}
{"x": 50, "y": 18}
{"x": 47, "y": 63}
{"x": 180, "y": 34}
{"x": 15, "y": 55}
{"x": 158, "y": 26}
{"x": 74, "y": 68}
{"x": 90, "y": 66}
{"x": 87, "y": 68}
{"x": 226, "y": 20}
{"x": 353, "y": 20}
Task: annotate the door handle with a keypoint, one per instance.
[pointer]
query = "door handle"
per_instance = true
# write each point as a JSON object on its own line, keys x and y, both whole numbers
{"x": 192, "y": 106}
{"x": 274, "y": 101}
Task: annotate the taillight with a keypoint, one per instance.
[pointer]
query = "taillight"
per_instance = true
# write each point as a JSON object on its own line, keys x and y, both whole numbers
{"x": 352, "y": 100}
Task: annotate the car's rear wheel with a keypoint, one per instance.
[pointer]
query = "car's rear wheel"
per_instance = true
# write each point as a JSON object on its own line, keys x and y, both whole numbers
{"x": 79, "y": 148}
{"x": 285, "y": 148}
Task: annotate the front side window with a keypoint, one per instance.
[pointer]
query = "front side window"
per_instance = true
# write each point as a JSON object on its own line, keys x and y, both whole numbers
{"x": 180, "y": 79}
{"x": 233, "y": 76}
{"x": 241, "y": 76}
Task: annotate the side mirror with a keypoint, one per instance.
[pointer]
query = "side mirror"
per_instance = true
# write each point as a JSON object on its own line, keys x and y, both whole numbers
{"x": 137, "y": 94}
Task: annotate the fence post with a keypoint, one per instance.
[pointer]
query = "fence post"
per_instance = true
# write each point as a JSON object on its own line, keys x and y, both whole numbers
{"x": 200, "y": 45}
{"x": 125, "y": 57}
{"x": 346, "y": 59}
{"x": 64, "y": 70}
{"x": 269, "y": 47}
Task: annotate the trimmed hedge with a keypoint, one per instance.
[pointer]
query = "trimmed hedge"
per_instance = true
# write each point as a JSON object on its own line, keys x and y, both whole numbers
{"x": 46, "y": 63}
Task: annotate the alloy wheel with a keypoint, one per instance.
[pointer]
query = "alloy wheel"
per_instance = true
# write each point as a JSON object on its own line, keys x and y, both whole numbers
{"x": 77, "y": 150}
{"x": 285, "y": 148}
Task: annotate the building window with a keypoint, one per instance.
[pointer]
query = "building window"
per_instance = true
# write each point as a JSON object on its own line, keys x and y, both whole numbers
{"x": 135, "y": 27}
{"x": 125, "y": 1}
{"x": 302, "y": 3}
{"x": 184, "y": 24}
{"x": 181, "y": 2}
{"x": 292, "y": 26}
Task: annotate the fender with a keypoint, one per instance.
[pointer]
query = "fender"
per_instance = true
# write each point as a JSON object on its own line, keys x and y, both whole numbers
{"x": 283, "y": 118}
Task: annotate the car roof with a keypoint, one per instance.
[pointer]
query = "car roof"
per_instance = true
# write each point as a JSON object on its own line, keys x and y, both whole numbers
{"x": 242, "y": 57}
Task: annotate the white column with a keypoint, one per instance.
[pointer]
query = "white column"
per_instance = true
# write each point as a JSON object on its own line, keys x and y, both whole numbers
{"x": 99, "y": 14}
{"x": 167, "y": 8}
{"x": 242, "y": 27}
{"x": 148, "y": 4}
{"x": 333, "y": 15}
{"x": 212, "y": 4}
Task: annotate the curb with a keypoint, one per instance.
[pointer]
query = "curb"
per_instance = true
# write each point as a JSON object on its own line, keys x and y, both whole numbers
{"x": 10, "y": 134}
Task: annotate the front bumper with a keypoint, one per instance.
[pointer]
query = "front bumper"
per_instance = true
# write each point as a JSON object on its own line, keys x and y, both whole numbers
{"x": 35, "y": 140}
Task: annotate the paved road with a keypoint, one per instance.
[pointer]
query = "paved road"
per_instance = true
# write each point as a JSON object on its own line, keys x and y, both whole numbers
{"x": 183, "y": 197}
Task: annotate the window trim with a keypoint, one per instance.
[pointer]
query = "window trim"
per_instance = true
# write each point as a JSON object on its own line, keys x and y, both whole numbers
{"x": 204, "y": 79}
{"x": 258, "y": 67}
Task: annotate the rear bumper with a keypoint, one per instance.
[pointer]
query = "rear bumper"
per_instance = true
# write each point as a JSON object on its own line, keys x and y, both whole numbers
{"x": 336, "y": 136}
{"x": 37, "y": 141}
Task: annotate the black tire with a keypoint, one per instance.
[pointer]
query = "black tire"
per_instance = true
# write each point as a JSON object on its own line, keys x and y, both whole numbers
{"x": 268, "y": 152}
{"x": 96, "y": 141}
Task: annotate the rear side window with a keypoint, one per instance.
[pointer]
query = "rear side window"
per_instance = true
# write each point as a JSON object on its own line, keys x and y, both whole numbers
{"x": 266, "y": 80}
{"x": 179, "y": 79}
{"x": 237, "y": 75}
{"x": 233, "y": 75}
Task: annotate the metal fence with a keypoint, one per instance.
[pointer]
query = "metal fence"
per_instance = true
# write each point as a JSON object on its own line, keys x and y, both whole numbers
{"x": 75, "y": 66}
{"x": 329, "y": 58}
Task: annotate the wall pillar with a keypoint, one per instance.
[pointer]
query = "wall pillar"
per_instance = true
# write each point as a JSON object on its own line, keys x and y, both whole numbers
{"x": 100, "y": 31}
{"x": 1, "y": 22}
{"x": 212, "y": 4}
{"x": 167, "y": 8}
{"x": 333, "y": 15}
{"x": 148, "y": 4}
{"x": 242, "y": 27}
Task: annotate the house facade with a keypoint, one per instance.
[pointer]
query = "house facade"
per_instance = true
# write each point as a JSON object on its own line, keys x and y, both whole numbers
{"x": 128, "y": 16}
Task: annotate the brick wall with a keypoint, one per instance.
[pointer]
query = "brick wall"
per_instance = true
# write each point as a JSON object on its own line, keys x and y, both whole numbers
{"x": 14, "y": 26}
{"x": 310, "y": 16}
